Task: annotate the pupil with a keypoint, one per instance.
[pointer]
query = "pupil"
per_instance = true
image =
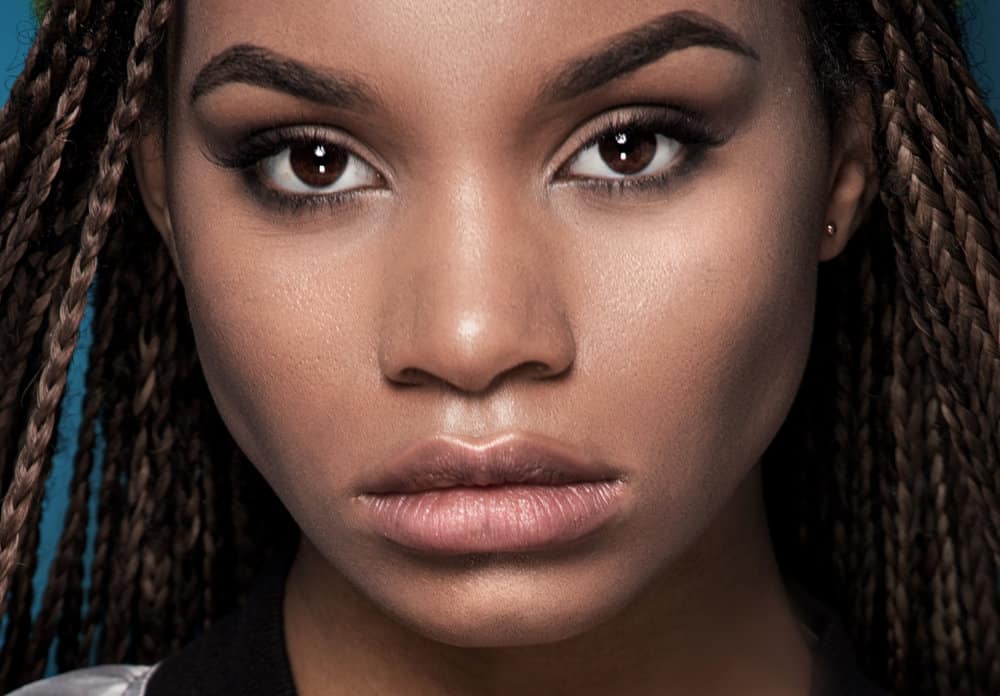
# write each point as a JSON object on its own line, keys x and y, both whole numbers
{"x": 316, "y": 165}
{"x": 629, "y": 151}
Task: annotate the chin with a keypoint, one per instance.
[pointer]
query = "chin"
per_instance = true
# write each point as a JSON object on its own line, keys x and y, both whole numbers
{"x": 502, "y": 622}
{"x": 495, "y": 602}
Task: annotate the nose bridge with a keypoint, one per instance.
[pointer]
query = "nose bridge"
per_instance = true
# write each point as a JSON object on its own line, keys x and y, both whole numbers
{"x": 474, "y": 293}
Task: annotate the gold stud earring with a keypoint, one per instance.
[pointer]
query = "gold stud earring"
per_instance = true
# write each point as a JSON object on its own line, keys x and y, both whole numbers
{"x": 831, "y": 230}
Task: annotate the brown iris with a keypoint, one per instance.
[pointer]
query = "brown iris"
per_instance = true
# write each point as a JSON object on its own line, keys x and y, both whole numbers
{"x": 317, "y": 165}
{"x": 628, "y": 151}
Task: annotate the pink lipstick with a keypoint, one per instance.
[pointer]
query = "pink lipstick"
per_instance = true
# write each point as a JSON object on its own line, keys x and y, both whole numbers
{"x": 514, "y": 493}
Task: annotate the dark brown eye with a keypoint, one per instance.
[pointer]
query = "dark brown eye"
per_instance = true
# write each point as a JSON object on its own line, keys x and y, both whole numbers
{"x": 623, "y": 152}
{"x": 317, "y": 165}
{"x": 317, "y": 168}
{"x": 628, "y": 151}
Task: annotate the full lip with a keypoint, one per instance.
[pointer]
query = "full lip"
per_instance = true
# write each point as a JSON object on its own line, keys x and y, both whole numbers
{"x": 510, "y": 458}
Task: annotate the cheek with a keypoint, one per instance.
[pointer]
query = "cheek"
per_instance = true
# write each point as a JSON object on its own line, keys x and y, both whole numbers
{"x": 281, "y": 356}
{"x": 705, "y": 328}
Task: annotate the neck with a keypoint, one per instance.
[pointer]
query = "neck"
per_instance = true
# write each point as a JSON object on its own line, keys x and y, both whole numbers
{"x": 717, "y": 621}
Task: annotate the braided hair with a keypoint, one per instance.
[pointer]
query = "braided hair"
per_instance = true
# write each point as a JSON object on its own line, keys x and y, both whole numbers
{"x": 882, "y": 488}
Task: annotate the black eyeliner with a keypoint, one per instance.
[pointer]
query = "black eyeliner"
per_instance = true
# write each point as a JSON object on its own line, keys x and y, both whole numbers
{"x": 247, "y": 155}
{"x": 259, "y": 145}
{"x": 682, "y": 126}
{"x": 284, "y": 203}
{"x": 693, "y": 133}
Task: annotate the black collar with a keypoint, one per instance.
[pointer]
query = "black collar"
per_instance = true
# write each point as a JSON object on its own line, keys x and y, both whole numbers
{"x": 244, "y": 654}
{"x": 835, "y": 670}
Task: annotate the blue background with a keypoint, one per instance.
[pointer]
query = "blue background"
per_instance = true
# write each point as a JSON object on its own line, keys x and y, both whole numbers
{"x": 16, "y": 30}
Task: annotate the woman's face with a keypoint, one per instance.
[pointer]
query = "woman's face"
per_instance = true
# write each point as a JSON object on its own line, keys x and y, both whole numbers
{"x": 461, "y": 258}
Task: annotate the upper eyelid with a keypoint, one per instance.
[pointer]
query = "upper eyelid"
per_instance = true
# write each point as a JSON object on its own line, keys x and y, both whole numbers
{"x": 641, "y": 115}
{"x": 269, "y": 142}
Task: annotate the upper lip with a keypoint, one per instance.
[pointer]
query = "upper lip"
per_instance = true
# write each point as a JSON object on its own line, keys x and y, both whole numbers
{"x": 444, "y": 461}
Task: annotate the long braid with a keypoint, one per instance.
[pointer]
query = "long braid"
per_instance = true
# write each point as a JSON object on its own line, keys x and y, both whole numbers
{"x": 109, "y": 510}
{"x": 967, "y": 250}
{"x": 865, "y": 539}
{"x": 30, "y": 193}
{"x": 942, "y": 370}
{"x": 20, "y": 227}
{"x": 134, "y": 526}
{"x": 72, "y": 620}
{"x": 17, "y": 639}
{"x": 119, "y": 292}
{"x": 16, "y": 356}
{"x": 61, "y": 338}
{"x": 960, "y": 403}
{"x": 944, "y": 432}
{"x": 156, "y": 573}
{"x": 22, "y": 106}
{"x": 187, "y": 520}
{"x": 62, "y": 602}
{"x": 970, "y": 118}
{"x": 940, "y": 408}
{"x": 908, "y": 428}
{"x": 846, "y": 424}
{"x": 951, "y": 643}
{"x": 978, "y": 597}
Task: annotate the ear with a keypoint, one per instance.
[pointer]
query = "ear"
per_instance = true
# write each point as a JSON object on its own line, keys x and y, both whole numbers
{"x": 150, "y": 168}
{"x": 854, "y": 180}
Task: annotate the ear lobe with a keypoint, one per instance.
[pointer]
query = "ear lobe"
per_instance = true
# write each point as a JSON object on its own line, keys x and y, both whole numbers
{"x": 854, "y": 180}
{"x": 151, "y": 175}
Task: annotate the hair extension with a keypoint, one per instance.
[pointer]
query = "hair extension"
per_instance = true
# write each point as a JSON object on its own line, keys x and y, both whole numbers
{"x": 187, "y": 523}
{"x": 20, "y": 222}
{"x": 24, "y": 103}
{"x": 882, "y": 488}
{"x": 61, "y": 336}
{"x": 63, "y": 593}
{"x": 18, "y": 628}
{"x": 156, "y": 559}
{"x": 140, "y": 500}
{"x": 937, "y": 458}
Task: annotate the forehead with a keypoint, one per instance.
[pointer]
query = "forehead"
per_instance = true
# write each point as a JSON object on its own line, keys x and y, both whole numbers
{"x": 461, "y": 48}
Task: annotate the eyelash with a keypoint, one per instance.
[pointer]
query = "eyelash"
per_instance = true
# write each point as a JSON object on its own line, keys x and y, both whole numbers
{"x": 248, "y": 155}
{"x": 694, "y": 135}
{"x": 687, "y": 128}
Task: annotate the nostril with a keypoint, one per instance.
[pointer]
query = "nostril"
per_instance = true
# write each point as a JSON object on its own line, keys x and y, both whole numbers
{"x": 415, "y": 376}
{"x": 412, "y": 377}
{"x": 535, "y": 369}
{"x": 508, "y": 344}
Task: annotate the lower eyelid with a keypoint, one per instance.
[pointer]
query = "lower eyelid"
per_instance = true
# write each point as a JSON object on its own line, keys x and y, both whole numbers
{"x": 690, "y": 161}
{"x": 291, "y": 204}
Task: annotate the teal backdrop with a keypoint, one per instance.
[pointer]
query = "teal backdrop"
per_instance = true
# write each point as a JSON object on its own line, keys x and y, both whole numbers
{"x": 16, "y": 31}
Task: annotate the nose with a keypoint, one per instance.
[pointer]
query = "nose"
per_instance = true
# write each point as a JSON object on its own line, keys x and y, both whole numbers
{"x": 475, "y": 297}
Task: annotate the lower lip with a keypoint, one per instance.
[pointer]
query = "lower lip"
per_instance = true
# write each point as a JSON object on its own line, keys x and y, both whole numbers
{"x": 514, "y": 517}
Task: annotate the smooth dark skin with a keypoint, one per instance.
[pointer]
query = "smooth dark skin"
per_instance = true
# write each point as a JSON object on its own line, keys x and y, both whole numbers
{"x": 671, "y": 328}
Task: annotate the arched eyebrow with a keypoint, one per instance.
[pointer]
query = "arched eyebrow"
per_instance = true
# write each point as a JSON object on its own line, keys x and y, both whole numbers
{"x": 639, "y": 47}
{"x": 252, "y": 65}
{"x": 622, "y": 54}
